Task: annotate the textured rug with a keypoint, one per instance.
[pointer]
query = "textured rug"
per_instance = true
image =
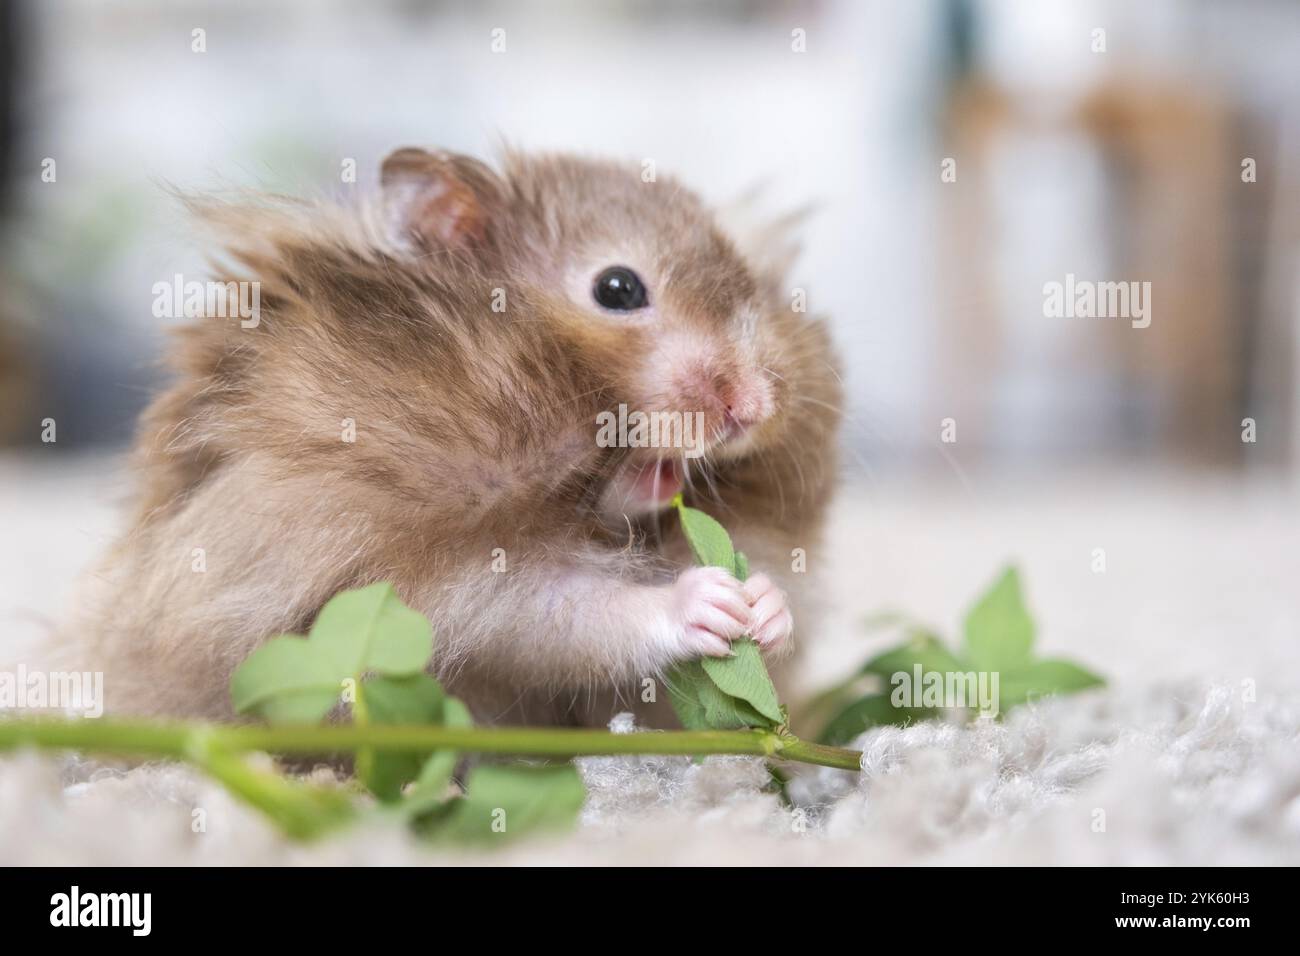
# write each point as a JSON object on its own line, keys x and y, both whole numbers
{"x": 1191, "y": 754}
{"x": 1170, "y": 776}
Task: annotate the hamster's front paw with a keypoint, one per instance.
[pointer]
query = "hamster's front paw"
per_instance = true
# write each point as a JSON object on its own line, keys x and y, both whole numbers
{"x": 770, "y": 621}
{"x": 712, "y": 610}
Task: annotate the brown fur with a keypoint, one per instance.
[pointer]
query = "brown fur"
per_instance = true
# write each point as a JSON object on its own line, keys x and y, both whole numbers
{"x": 474, "y": 431}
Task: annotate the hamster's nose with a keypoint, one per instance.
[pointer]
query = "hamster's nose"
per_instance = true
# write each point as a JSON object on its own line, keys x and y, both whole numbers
{"x": 741, "y": 397}
{"x": 747, "y": 405}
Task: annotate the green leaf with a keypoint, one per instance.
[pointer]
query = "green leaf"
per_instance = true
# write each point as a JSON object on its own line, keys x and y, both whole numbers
{"x": 398, "y": 700}
{"x": 742, "y": 566}
{"x": 724, "y": 712}
{"x": 744, "y": 676}
{"x": 701, "y": 705}
{"x": 432, "y": 784}
{"x": 687, "y": 685}
{"x": 292, "y": 679}
{"x": 999, "y": 631}
{"x": 722, "y": 692}
{"x": 370, "y": 629}
{"x": 856, "y": 712}
{"x": 920, "y": 648}
{"x": 506, "y": 801}
{"x": 304, "y": 811}
{"x": 287, "y": 681}
{"x": 708, "y": 539}
{"x": 865, "y": 712}
{"x": 999, "y": 640}
{"x": 1042, "y": 678}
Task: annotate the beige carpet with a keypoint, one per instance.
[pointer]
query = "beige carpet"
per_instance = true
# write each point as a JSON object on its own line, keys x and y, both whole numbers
{"x": 1191, "y": 755}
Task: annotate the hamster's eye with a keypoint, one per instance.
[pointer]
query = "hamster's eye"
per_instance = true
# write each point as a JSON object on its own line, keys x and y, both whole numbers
{"x": 619, "y": 289}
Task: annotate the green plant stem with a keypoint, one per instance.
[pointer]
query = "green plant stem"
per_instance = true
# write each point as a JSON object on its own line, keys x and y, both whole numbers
{"x": 175, "y": 740}
{"x": 805, "y": 752}
{"x": 365, "y": 759}
{"x": 301, "y": 810}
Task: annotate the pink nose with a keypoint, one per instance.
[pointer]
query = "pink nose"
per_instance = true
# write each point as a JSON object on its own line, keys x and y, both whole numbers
{"x": 741, "y": 418}
{"x": 745, "y": 408}
{"x": 742, "y": 398}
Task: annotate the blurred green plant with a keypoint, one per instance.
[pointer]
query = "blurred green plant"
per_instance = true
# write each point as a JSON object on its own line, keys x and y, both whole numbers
{"x": 998, "y": 639}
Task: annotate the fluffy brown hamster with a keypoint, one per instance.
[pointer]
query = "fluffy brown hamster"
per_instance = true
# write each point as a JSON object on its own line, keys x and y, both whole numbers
{"x": 418, "y": 402}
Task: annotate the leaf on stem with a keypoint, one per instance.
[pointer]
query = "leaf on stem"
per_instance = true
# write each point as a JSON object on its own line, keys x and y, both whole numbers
{"x": 1043, "y": 678}
{"x": 999, "y": 639}
{"x": 302, "y": 810}
{"x": 744, "y": 676}
{"x": 418, "y": 699}
{"x": 505, "y": 801}
{"x": 294, "y": 679}
{"x": 722, "y": 693}
{"x": 433, "y": 783}
{"x": 999, "y": 631}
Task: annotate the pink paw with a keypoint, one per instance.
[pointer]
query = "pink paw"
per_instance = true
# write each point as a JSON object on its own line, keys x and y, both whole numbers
{"x": 712, "y": 609}
{"x": 770, "y": 621}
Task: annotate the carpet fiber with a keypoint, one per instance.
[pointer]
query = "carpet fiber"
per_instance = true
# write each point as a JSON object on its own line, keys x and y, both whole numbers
{"x": 1191, "y": 754}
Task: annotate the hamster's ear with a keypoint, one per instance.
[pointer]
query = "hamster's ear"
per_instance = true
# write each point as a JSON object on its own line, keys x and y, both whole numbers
{"x": 770, "y": 243}
{"x": 438, "y": 200}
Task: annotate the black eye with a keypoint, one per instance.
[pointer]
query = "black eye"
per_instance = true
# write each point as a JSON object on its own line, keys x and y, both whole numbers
{"x": 619, "y": 289}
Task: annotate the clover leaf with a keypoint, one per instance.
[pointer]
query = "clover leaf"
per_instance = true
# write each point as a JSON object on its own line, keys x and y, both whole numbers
{"x": 998, "y": 639}
{"x": 418, "y": 699}
{"x": 370, "y": 644}
{"x": 504, "y": 801}
{"x": 295, "y": 679}
{"x": 999, "y": 631}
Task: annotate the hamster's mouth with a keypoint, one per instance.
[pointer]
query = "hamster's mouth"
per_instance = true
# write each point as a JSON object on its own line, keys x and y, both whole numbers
{"x": 653, "y": 483}
{"x": 643, "y": 487}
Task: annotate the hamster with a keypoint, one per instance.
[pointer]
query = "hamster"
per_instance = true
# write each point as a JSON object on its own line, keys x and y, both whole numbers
{"x": 418, "y": 402}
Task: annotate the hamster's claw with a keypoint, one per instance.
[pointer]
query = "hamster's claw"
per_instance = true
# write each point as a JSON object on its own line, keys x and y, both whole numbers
{"x": 771, "y": 623}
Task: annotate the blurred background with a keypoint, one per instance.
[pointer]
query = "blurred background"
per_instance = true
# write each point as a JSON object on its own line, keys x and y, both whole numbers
{"x": 1114, "y": 156}
{"x": 1151, "y": 142}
